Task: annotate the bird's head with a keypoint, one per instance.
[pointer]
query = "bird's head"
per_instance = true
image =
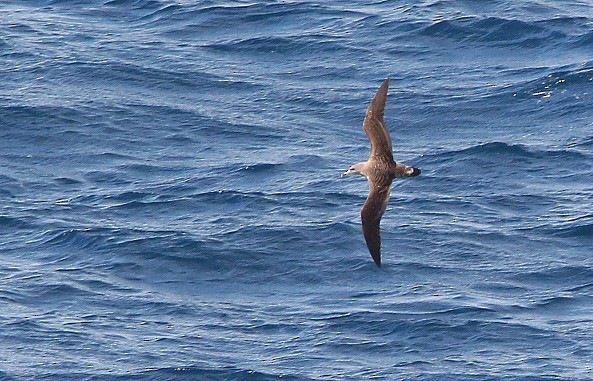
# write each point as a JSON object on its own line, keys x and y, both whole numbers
{"x": 354, "y": 169}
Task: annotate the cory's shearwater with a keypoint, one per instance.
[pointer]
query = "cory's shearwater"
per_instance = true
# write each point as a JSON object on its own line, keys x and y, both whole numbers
{"x": 380, "y": 170}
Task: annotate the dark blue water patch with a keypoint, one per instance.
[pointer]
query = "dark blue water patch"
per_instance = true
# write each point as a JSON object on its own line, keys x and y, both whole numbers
{"x": 53, "y": 294}
{"x": 6, "y": 377}
{"x": 504, "y": 287}
{"x": 106, "y": 177}
{"x": 489, "y": 163}
{"x": 280, "y": 46}
{"x": 151, "y": 207}
{"x": 202, "y": 20}
{"x": 37, "y": 118}
{"x": 10, "y": 186}
{"x": 142, "y": 248}
{"x": 496, "y": 148}
{"x": 556, "y": 305}
{"x": 66, "y": 181}
{"x": 3, "y": 47}
{"x": 137, "y": 4}
{"x": 313, "y": 101}
{"x": 38, "y": 333}
{"x": 185, "y": 372}
{"x": 319, "y": 199}
{"x": 135, "y": 73}
{"x": 452, "y": 29}
{"x": 152, "y": 168}
{"x": 497, "y": 31}
{"x": 585, "y": 142}
{"x": 565, "y": 278}
{"x": 575, "y": 26}
{"x": 269, "y": 239}
{"x": 48, "y": 3}
{"x": 510, "y": 158}
{"x": 575, "y": 226}
{"x": 584, "y": 41}
{"x": 524, "y": 34}
{"x": 577, "y": 230}
{"x": 221, "y": 256}
{"x": 238, "y": 131}
{"x": 84, "y": 239}
{"x": 428, "y": 333}
{"x": 259, "y": 168}
{"x": 517, "y": 201}
{"x": 390, "y": 323}
{"x": 147, "y": 17}
{"x": 22, "y": 28}
{"x": 306, "y": 161}
{"x": 13, "y": 222}
{"x": 8, "y": 296}
{"x": 32, "y": 327}
{"x": 112, "y": 157}
{"x": 321, "y": 72}
{"x": 260, "y": 13}
{"x": 129, "y": 196}
{"x": 567, "y": 81}
{"x": 228, "y": 200}
{"x": 98, "y": 286}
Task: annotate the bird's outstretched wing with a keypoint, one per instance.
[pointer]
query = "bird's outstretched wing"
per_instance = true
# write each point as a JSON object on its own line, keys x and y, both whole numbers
{"x": 374, "y": 126}
{"x": 371, "y": 214}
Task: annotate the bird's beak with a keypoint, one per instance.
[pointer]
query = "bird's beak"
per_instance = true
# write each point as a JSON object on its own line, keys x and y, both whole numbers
{"x": 345, "y": 173}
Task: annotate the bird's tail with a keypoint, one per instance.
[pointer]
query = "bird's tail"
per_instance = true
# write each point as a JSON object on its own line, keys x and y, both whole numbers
{"x": 412, "y": 171}
{"x": 402, "y": 170}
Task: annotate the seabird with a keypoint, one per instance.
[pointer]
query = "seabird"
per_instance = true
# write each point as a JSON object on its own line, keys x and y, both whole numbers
{"x": 380, "y": 170}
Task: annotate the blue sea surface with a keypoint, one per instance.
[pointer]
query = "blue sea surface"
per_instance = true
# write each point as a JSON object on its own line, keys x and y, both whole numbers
{"x": 171, "y": 206}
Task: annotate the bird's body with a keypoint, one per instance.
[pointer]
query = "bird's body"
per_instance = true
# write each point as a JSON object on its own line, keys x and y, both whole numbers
{"x": 380, "y": 170}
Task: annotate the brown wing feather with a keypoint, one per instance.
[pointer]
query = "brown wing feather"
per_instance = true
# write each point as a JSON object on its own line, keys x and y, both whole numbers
{"x": 371, "y": 214}
{"x": 374, "y": 126}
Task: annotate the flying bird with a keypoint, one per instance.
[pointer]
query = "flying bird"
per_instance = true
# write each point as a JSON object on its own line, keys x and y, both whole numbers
{"x": 380, "y": 170}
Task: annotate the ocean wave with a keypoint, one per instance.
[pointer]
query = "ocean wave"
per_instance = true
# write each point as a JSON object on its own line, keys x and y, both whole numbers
{"x": 138, "y": 73}
{"x": 185, "y": 372}
{"x": 51, "y": 293}
{"x": 496, "y": 148}
{"x": 13, "y": 222}
{"x": 83, "y": 238}
{"x": 36, "y": 116}
{"x": 67, "y": 181}
{"x": 577, "y": 230}
{"x": 260, "y": 168}
{"x": 236, "y": 130}
{"x": 272, "y": 45}
{"x": 567, "y": 277}
{"x": 586, "y": 142}
{"x": 514, "y": 161}
{"x": 571, "y": 81}
{"x": 141, "y": 4}
{"x": 513, "y": 157}
{"x": 207, "y": 22}
{"x": 556, "y": 305}
{"x": 222, "y": 250}
{"x": 449, "y": 329}
{"x": 511, "y": 32}
{"x": 10, "y": 186}
{"x": 107, "y": 177}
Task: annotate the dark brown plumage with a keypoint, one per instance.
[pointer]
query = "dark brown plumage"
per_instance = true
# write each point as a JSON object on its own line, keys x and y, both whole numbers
{"x": 380, "y": 170}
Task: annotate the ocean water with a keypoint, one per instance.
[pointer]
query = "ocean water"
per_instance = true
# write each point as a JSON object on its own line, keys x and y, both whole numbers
{"x": 171, "y": 206}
